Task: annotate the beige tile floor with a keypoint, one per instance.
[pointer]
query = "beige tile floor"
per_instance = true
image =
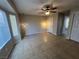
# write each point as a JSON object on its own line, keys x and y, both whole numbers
{"x": 46, "y": 46}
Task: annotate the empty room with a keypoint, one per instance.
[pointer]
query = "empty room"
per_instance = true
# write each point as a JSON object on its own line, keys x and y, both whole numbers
{"x": 39, "y": 29}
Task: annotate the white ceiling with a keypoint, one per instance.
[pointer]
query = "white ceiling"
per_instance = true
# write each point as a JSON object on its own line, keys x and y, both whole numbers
{"x": 4, "y": 4}
{"x": 33, "y": 6}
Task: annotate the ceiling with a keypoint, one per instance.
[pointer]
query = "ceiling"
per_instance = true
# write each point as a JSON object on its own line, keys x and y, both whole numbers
{"x": 32, "y": 7}
{"x": 5, "y": 5}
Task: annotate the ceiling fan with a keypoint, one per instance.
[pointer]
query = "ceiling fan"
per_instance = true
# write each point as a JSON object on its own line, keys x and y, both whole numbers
{"x": 49, "y": 8}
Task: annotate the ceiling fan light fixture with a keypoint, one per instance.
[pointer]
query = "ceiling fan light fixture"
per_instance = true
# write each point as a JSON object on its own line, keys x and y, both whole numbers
{"x": 47, "y": 13}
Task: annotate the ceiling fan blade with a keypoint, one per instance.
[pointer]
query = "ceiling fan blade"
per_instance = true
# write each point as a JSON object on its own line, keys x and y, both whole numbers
{"x": 53, "y": 8}
{"x": 41, "y": 12}
{"x": 53, "y": 11}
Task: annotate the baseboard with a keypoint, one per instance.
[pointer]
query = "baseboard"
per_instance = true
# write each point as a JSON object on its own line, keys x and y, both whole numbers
{"x": 52, "y": 33}
{"x": 36, "y": 33}
{"x": 74, "y": 41}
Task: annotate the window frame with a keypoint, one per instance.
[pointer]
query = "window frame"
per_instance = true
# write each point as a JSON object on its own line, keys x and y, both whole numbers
{"x": 10, "y": 22}
{"x": 9, "y": 25}
{"x": 8, "y": 28}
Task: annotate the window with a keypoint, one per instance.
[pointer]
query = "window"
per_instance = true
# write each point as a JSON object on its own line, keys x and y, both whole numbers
{"x": 66, "y": 22}
{"x": 5, "y": 35}
{"x": 13, "y": 24}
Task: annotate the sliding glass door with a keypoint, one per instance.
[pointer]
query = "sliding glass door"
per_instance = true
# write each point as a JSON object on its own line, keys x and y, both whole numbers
{"x": 13, "y": 24}
{"x": 14, "y": 27}
{"x": 5, "y": 35}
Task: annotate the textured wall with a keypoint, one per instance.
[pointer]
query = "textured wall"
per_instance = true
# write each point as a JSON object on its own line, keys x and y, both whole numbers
{"x": 34, "y": 24}
{"x": 53, "y": 24}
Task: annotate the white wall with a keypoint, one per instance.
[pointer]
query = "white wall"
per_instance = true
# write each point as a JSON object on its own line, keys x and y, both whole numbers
{"x": 40, "y": 24}
{"x": 5, "y": 5}
{"x": 50, "y": 27}
{"x": 52, "y": 20}
{"x": 35, "y": 24}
